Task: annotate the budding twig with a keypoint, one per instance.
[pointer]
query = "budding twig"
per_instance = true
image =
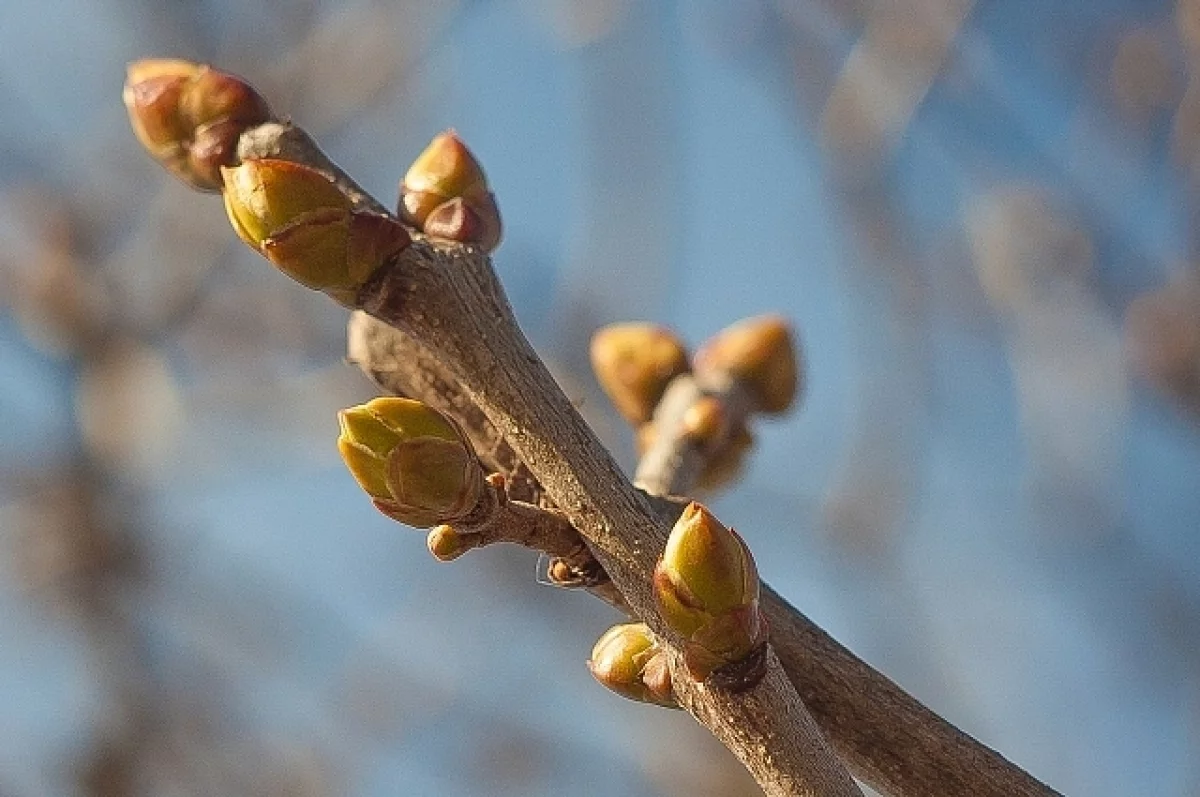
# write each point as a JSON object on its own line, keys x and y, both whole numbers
{"x": 447, "y": 302}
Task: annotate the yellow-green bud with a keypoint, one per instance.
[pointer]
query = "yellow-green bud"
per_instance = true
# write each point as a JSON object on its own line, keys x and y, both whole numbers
{"x": 760, "y": 353}
{"x": 445, "y": 195}
{"x": 706, "y": 585}
{"x": 412, "y": 460}
{"x": 634, "y": 363}
{"x": 189, "y": 116}
{"x": 298, "y": 218}
{"x": 445, "y": 170}
{"x": 619, "y": 661}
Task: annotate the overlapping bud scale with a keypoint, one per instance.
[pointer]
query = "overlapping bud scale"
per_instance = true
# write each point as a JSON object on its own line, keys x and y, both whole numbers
{"x": 413, "y": 461}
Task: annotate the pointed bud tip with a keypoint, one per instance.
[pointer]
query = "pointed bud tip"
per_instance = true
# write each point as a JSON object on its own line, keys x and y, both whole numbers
{"x": 445, "y": 169}
{"x": 706, "y": 583}
{"x": 762, "y": 354}
{"x": 634, "y": 363}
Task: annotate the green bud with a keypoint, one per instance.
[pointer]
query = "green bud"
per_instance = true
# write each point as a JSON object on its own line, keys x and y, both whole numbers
{"x": 634, "y": 363}
{"x": 297, "y": 217}
{"x": 189, "y": 116}
{"x": 706, "y": 585}
{"x": 760, "y": 353}
{"x": 619, "y": 660}
{"x": 445, "y": 170}
{"x": 412, "y": 460}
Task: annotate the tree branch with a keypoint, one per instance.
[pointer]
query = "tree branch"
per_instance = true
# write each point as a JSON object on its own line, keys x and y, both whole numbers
{"x": 448, "y": 303}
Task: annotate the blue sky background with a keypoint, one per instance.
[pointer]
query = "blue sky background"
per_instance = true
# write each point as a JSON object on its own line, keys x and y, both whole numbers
{"x": 991, "y": 492}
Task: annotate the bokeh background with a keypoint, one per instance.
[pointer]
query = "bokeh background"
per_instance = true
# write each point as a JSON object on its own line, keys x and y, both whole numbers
{"x": 980, "y": 215}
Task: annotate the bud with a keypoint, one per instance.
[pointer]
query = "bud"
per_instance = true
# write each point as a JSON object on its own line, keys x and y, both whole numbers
{"x": 634, "y": 363}
{"x": 706, "y": 586}
{"x": 446, "y": 544}
{"x": 297, "y": 217}
{"x": 726, "y": 463}
{"x": 759, "y": 353}
{"x": 445, "y": 194}
{"x": 445, "y": 170}
{"x": 620, "y": 658}
{"x": 706, "y": 421}
{"x": 466, "y": 221}
{"x": 189, "y": 116}
{"x": 412, "y": 460}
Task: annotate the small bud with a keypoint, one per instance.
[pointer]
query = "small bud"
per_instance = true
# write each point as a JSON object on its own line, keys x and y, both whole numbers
{"x": 726, "y": 463}
{"x": 706, "y": 586}
{"x": 705, "y": 422}
{"x": 761, "y": 354}
{"x": 634, "y": 363}
{"x": 189, "y": 116}
{"x": 299, "y": 219}
{"x": 446, "y": 544}
{"x": 469, "y": 221}
{"x": 620, "y": 658}
{"x": 445, "y": 170}
{"x": 412, "y": 460}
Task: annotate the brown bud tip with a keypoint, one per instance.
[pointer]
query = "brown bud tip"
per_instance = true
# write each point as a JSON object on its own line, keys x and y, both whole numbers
{"x": 446, "y": 169}
{"x": 634, "y": 363}
{"x": 760, "y": 353}
{"x": 189, "y": 116}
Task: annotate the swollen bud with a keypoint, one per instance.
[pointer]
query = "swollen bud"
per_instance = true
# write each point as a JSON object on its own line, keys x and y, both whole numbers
{"x": 634, "y": 363}
{"x": 620, "y": 660}
{"x": 758, "y": 352}
{"x": 297, "y": 217}
{"x": 706, "y": 586}
{"x": 412, "y": 460}
{"x": 445, "y": 194}
{"x": 189, "y": 116}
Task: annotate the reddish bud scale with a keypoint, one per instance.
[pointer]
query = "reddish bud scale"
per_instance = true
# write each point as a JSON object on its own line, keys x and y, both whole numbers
{"x": 189, "y": 116}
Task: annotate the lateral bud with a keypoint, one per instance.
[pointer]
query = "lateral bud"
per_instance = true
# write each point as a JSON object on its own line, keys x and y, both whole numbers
{"x": 414, "y": 462}
{"x": 297, "y": 217}
{"x": 628, "y": 660}
{"x": 445, "y": 194}
{"x": 760, "y": 353}
{"x": 634, "y": 363}
{"x": 189, "y": 116}
{"x": 707, "y": 589}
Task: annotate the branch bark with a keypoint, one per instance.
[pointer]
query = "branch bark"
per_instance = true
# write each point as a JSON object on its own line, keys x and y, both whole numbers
{"x": 445, "y": 302}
